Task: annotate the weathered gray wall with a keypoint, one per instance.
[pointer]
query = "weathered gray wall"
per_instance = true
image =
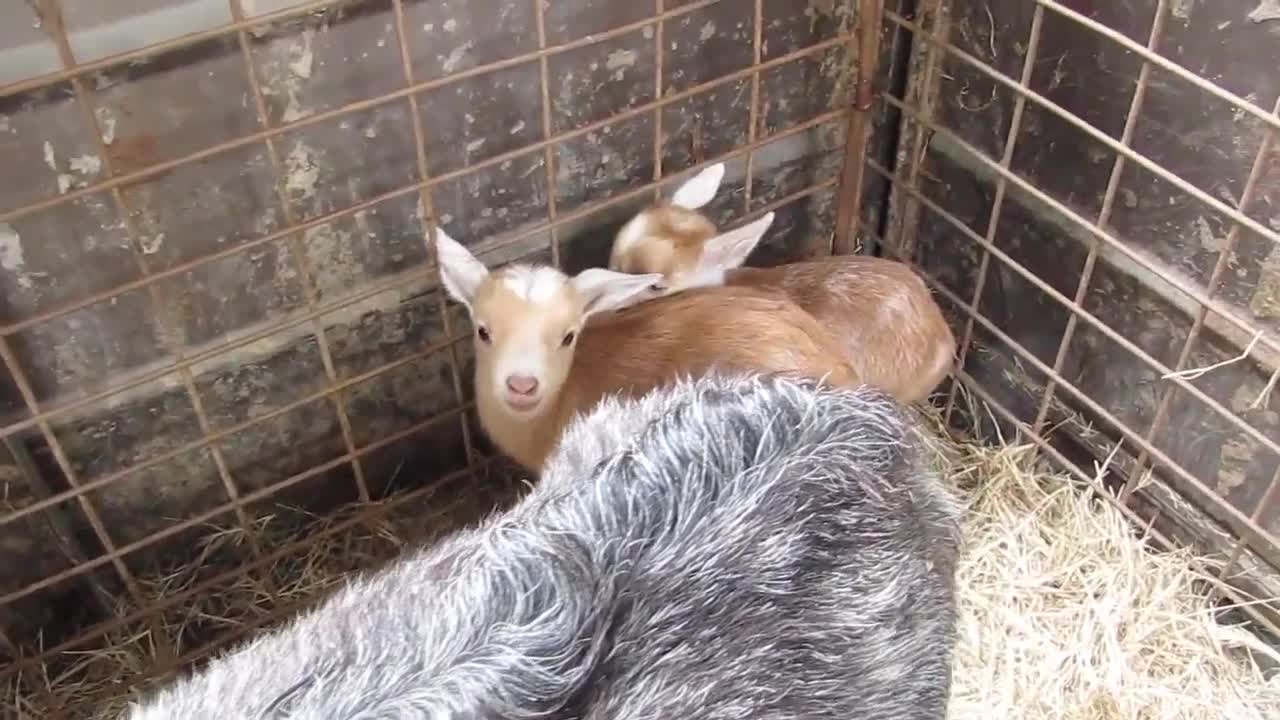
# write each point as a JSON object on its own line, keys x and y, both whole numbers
{"x": 1185, "y": 130}
{"x": 175, "y": 103}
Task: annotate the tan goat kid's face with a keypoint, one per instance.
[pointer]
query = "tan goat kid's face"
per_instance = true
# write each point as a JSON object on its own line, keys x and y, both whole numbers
{"x": 527, "y": 321}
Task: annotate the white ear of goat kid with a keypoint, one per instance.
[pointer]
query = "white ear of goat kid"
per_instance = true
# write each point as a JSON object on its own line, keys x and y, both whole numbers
{"x": 546, "y": 349}
{"x": 892, "y": 331}
{"x": 697, "y": 192}
{"x": 735, "y": 546}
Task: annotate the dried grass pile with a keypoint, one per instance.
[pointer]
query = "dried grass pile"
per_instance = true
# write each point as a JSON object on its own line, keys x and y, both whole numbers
{"x": 1066, "y": 613}
{"x": 96, "y": 681}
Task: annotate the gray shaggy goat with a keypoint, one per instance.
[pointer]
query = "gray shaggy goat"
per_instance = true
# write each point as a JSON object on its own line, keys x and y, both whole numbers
{"x": 735, "y": 546}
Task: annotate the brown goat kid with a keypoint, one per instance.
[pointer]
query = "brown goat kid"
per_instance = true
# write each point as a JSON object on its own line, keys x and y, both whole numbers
{"x": 549, "y": 346}
{"x": 892, "y": 331}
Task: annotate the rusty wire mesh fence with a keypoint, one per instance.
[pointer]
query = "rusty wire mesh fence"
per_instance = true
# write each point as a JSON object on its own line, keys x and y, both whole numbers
{"x": 1094, "y": 194}
{"x": 229, "y": 373}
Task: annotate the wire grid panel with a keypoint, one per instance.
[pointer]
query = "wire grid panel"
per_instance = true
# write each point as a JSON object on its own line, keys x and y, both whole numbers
{"x": 1094, "y": 199}
{"x": 221, "y": 311}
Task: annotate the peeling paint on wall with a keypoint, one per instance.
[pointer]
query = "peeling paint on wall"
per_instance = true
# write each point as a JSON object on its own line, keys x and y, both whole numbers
{"x": 11, "y": 257}
{"x": 1266, "y": 10}
{"x": 1182, "y": 9}
{"x": 303, "y": 172}
{"x": 1266, "y": 298}
{"x": 453, "y": 60}
{"x": 86, "y": 164}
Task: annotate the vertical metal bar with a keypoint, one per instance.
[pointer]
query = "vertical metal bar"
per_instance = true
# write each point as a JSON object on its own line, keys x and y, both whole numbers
{"x": 753, "y": 117}
{"x": 1264, "y": 506}
{"x": 544, "y": 87}
{"x": 429, "y": 217}
{"x": 659, "y": 32}
{"x": 904, "y": 223}
{"x": 1215, "y": 282}
{"x": 57, "y": 523}
{"x": 1104, "y": 214}
{"x": 997, "y": 204}
{"x": 64, "y": 464}
{"x": 853, "y": 173}
{"x": 298, "y": 249}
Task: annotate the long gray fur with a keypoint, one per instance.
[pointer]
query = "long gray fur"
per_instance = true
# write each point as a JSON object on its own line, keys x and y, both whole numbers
{"x": 727, "y": 547}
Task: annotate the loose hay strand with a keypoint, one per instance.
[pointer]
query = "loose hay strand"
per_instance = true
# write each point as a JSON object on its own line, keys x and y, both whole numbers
{"x": 96, "y": 681}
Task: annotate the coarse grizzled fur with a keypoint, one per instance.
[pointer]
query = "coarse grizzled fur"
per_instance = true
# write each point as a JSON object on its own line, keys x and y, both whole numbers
{"x": 727, "y": 547}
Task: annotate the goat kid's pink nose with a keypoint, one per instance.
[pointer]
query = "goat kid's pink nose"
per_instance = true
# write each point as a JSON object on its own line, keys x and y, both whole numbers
{"x": 522, "y": 384}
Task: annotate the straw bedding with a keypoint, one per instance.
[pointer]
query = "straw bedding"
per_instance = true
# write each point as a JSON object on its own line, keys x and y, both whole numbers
{"x": 1065, "y": 612}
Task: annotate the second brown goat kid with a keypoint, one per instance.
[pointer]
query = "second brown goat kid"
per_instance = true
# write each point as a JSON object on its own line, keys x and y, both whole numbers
{"x": 881, "y": 312}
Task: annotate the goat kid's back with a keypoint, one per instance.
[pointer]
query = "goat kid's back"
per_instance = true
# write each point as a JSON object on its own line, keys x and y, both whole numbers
{"x": 723, "y": 548}
{"x": 889, "y": 326}
{"x": 636, "y": 349}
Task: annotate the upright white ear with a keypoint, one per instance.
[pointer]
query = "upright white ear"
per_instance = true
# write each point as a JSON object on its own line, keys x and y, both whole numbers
{"x": 608, "y": 290}
{"x": 460, "y": 271}
{"x": 730, "y": 250}
{"x": 699, "y": 189}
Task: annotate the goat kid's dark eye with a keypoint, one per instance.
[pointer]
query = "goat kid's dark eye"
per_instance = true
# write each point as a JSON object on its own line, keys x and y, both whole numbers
{"x": 483, "y": 333}
{"x": 568, "y": 339}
